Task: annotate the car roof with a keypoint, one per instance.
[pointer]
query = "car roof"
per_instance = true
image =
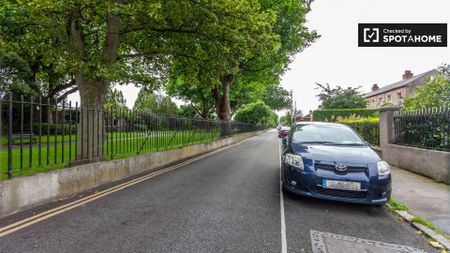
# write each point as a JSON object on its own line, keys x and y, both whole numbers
{"x": 318, "y": 123}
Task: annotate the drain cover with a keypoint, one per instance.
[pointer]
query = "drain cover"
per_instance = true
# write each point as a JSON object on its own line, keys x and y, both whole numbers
{"x": 333, "y": 243}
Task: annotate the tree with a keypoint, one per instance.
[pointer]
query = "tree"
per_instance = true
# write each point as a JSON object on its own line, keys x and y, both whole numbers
{"x": 277, "y": 98}
{"x": 30, "y": 70}
{"x": 148, "y": 101}
{"x": 274, "y": 119}
{"x": 198, "y": 97}
{"x": 286, "y": 120}
{"x": 187, "y": 111}
{"x": 114, "y": 101}
{"x": 99, "y": 42}
{"x": 435, "y": 92}
{"x": 340, "y": 98}
{"x": 267, "y": 44}
{"x": 256, "y": 113}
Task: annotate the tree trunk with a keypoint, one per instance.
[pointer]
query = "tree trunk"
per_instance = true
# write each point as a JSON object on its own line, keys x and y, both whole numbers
{"x": 222, "y": 103}
{"x": 91, "y": 128}
{"x": 92, "y": 89}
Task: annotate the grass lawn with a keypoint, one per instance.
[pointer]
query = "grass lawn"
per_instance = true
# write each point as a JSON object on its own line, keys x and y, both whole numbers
{"x": 121, "y": 145}
{"x": 67, "y": 138}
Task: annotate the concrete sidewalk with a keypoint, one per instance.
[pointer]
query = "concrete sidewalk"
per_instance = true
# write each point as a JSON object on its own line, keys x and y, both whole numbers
{"x": 424, "y": 197}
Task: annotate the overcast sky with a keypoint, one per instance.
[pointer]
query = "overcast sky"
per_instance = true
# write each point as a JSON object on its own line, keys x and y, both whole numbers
{"x": 335, "y": 57}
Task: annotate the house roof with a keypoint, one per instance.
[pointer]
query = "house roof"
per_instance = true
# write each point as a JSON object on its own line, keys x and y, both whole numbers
{"x": 396, "y": 85}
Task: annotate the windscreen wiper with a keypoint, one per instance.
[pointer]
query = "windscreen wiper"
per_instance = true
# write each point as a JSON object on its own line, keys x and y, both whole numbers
{"x": 319, "y": 142}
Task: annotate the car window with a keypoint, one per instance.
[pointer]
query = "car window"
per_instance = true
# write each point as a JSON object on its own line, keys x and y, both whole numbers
{"x": 331, "y": 134}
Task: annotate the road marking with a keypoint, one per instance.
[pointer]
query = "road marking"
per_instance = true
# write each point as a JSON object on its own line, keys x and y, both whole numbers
{"x": 283, "y": 221}
{"x": 80, "y": 202}
{"x": 323, "y": 242}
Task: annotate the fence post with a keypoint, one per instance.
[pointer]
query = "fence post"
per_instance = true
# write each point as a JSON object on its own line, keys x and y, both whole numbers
{"x": 10, "y": 110}
{"x": 387, "y": 129}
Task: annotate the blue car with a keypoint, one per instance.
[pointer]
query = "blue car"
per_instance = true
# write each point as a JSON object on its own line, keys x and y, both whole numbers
{"x": 330, "y": 161}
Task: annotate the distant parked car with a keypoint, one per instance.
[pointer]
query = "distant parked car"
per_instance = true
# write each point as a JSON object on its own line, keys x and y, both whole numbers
{"x": 283, "y": 132}
{"x": 330, "y": 161}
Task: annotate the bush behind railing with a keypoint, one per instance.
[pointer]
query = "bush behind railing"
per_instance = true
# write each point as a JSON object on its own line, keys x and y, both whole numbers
{"x": 331, "y": 115}
{"x": 370, "y": 132}
{"x": 428, "y": 128}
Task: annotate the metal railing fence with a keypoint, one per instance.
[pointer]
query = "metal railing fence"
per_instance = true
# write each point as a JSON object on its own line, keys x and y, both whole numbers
{"x": 427, "y": 128}
{"x": 370, "y": 132}
{"x": 39, "y": 135}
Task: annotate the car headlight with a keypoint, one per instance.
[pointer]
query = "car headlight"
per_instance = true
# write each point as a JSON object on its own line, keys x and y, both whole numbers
{"x": 294, "y": 161}
{"x": 383, "y": 168}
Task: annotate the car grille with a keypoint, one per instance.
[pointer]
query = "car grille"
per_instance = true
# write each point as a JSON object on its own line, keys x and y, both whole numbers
{"x": 342, "y": 193}
{"x": 330, "y": 167}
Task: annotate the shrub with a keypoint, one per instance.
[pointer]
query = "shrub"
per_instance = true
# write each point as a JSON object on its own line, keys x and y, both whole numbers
{"x": 52, "y": 127}
{"x": 369, "y": 120}
{"x": 256, "y": 113}
{"x": 367, "y": 128}
{"x": 331, "y": 115}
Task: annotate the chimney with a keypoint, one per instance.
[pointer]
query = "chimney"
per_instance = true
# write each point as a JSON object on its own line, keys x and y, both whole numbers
{"x": 375, "y": 87}
{"x": 408, "y": 74}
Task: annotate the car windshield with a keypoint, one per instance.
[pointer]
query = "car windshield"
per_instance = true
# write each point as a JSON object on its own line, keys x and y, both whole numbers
{"x": 326, "y": 135}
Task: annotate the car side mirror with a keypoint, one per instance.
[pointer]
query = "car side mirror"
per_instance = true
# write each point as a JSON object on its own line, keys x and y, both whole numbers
{"x": 284, "y": 141}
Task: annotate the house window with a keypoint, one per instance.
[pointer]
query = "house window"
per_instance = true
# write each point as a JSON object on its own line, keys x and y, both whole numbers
{"x": 389, "y": 98}
{"x": 380, "y": 100}
{"x": 399, "y": 98}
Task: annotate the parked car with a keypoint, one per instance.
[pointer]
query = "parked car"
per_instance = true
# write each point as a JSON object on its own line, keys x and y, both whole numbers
{"x": 330, "y": 161}
{"x": 283, "y": 132}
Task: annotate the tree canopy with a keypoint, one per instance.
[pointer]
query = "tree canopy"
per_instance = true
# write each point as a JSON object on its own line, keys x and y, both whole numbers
{"x": 149, "y": 101}
{"x": 435, "y": 93}
{"x": 229, "y": 51}
{"x": 340, "y": 98}
{"x": 258, "y": 61}
{"x": 286, "y": 120}
{"x": 257, "y": 113}
{"x": 114, "y": 101}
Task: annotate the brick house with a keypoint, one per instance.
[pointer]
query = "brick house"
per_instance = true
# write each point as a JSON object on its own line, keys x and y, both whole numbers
{"x": 396, "y": 92}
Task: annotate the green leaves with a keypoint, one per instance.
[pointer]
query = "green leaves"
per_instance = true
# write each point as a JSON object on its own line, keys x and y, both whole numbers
{"x": 148, "y": 101}
{"x": 257, "y": 113}
{"x": 204, "y": 43}
{"x": 340, "y": 98}
{"x": 435, "y": 93}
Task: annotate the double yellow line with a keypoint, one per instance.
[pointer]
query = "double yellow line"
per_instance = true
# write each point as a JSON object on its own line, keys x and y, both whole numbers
{"x": 80, "y": 202}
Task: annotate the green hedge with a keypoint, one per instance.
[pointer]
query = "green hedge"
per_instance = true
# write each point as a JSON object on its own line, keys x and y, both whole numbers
{"x": 330, "y": 115}
{"x": 373, "y": 120}
{"x": 52, "y": 127}
{"x": 370, "y": 132}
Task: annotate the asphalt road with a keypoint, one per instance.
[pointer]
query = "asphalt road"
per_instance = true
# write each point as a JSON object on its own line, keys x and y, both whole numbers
{"x": 227, "y": 202}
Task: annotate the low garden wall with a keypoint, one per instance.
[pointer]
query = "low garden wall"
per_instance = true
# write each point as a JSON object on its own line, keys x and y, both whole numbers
{"x": 431, "y": 163}
{"x": 434, "y": 164}
{"x": 25, "y": 192}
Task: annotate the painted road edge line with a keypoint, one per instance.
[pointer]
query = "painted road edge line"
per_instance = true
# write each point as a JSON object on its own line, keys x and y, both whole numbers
{"x": 282, "y": 217}
{"x": 80, "y": 202}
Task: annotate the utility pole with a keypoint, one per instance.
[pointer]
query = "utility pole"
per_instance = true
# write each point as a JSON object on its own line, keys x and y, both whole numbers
{"x": 295, "y": 113}
{"x": 292, "y": 108}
